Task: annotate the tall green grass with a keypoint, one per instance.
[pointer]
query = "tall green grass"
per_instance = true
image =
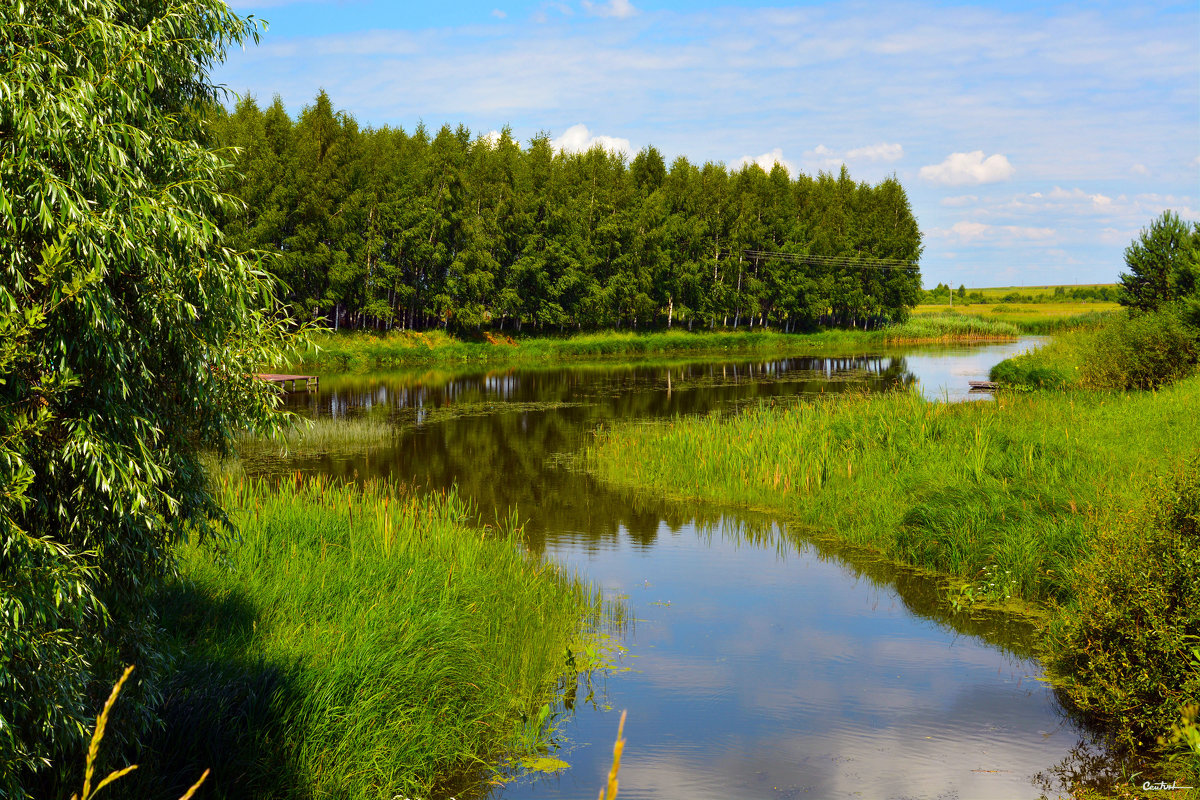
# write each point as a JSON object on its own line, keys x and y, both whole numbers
{"x": 1000, "y": 496}
{"x": 324, "y": 434}
{"x": 950, "y": 326}
{"x": 362, "y": 642}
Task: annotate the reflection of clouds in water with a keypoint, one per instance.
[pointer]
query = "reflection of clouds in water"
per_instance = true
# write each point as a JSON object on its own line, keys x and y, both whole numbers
{"x": 946, "y": 374}
{"x": 885, "y": 761}
{"x": 793, "y": 673}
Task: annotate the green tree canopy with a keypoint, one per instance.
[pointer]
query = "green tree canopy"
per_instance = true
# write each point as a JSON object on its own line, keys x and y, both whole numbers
{"x": 1164, "y": 265}
{"x": 128, "y": 335}
{"x": 385, "y": 229}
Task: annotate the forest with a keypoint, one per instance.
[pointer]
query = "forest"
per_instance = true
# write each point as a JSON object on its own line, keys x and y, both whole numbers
{"x": 384, "y": 229}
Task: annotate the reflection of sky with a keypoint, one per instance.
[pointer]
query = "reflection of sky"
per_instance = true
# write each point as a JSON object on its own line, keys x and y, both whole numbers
{"x": 946, "y": 373}
{"x": 755, "y": 676}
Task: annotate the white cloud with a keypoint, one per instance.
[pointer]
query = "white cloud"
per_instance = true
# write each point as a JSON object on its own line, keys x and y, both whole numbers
{"x": 826, "y": 158}
{"x": 578, "y": 139}
{"x": 963, "y": 169}
{"x": 768, "y": 160}
{"x": 620, "y": 9}
{"x": 965, "y": 232}
{"x": 1139, "y": 169}
{"x": 541, "y": 16}
{"x": 1095, "y": 201}
{"x": 877, "y": 152}
{"x": 498, "y": 14}
{"x": 960, "y": 200}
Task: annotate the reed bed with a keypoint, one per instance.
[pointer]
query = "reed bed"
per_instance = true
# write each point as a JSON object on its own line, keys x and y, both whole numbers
{"x": 325, "y": 434}
{"x": 1001, "y": 496}
{"x": 366, "y": 642}
{"x": 950, "y": 326}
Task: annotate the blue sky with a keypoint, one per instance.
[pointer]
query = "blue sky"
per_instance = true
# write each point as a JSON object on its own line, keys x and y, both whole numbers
{"x": 1035, "y": 140}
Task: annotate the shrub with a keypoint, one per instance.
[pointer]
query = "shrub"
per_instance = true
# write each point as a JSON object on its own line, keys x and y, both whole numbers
{"x": 1123, "y": 649}
{"x": 1139, "y": 351}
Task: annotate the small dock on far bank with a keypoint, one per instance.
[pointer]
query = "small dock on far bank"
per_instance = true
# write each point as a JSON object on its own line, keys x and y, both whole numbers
{"x": 289, "y": 383}
{"x": 983, "y": 386}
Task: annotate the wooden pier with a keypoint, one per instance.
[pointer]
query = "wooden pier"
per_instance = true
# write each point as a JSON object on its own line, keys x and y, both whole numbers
{"x": 311, "y": 382}
{"x": 983, "y": 386}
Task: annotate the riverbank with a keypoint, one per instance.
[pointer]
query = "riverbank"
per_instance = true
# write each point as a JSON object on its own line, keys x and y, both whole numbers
{"x": 355, "y": 351}
{"x": 361, "y": 642}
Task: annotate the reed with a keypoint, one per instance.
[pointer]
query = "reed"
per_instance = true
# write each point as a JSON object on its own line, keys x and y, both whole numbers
{"x": 324, "y": 434}
{"x": 362, "y": 641}
{"x": 950, "y": 326}
{"x": 1001, "y": 496}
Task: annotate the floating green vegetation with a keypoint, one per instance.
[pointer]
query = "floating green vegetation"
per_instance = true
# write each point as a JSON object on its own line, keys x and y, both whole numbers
{"x": 363, "y": 642}
{"x": 324, "y": 434}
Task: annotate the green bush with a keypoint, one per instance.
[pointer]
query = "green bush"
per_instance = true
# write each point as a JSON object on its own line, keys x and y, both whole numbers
{"x": 1123, "y": 649}
{"x": 1139, "y": 351}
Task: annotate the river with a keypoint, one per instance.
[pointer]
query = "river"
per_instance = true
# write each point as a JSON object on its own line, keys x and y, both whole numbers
{"x": 758, "y": 664}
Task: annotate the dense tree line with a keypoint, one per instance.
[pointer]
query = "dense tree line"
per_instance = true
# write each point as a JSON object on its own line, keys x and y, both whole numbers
{"x": 388, "y": 229}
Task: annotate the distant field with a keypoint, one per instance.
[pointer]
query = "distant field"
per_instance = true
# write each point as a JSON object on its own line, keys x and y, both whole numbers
{"x": 1018, "y": 312}
{"x": 1036, "y": 291}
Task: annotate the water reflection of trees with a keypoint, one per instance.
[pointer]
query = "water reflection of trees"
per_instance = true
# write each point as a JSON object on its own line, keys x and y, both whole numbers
{"x": 663, "y": 389}
{"x": 499, "y": 435}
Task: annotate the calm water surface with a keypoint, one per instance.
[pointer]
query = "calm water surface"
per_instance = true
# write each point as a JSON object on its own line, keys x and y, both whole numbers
{"x": 758, "y": 664}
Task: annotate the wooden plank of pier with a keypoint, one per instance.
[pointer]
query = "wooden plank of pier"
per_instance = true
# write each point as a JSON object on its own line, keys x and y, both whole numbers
{"x": 983, "y": 386}
{"x": 311, "y": 382}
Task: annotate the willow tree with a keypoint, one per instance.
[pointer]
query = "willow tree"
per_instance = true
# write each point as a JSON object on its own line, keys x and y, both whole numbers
{"x": 128, "y": 333}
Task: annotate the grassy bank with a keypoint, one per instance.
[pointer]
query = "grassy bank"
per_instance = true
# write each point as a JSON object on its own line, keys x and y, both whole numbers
{"x": 1000, "y": 496}
{"x": 366, "y": 351}
{"x": 360, "y": 642}
{"x": 1122, "y": 351}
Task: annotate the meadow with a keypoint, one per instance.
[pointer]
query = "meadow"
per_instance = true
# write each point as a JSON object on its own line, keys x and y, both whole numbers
{"x": 362, "y": 641}
{"x": 991, "y": 320}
